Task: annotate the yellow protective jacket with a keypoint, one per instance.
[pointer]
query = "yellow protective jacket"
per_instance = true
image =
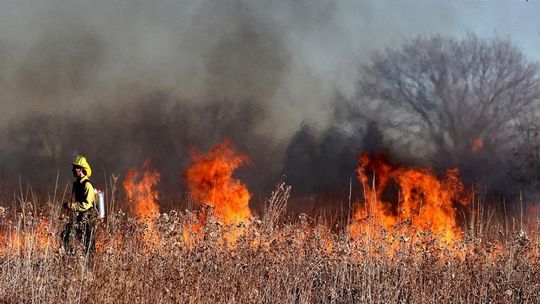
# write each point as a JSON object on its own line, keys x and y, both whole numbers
{"x": 83, "y": 195}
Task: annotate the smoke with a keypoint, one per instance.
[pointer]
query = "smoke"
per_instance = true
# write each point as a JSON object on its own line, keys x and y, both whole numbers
{"x": 407, "y": 107}
{"x": 129, "y": 81}
{"x": 288, "y": 56}
{"x": 321, "y": 165}
{"x": 125, "y": 81}
{"x": 156, "y": 128}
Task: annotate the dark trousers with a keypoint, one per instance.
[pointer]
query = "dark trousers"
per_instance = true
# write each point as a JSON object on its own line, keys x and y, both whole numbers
{"x": 83, "y": 228}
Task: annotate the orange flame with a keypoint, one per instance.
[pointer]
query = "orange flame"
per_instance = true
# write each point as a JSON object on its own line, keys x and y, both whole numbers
{"x": 210, "y": 181}
{"x": 141, "y": 192}
{"x": 477, "y": 144}
{"x": 425, "y": 202}
{"x": 13, "y": 241}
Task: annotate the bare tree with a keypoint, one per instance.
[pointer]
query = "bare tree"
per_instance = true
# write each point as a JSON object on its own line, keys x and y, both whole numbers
{"x": 454, "y": 96}
{"x": 526, "y": 154}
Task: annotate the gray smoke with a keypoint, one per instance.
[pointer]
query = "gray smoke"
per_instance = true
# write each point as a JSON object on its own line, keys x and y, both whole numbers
{"x": 288, "y": 56}
{"x": 156, "y": 128}
{"x": 124, "y": 81}
{"x": 131, "y": 81}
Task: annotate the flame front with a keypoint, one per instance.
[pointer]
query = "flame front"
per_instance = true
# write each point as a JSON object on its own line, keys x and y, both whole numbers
{"x": 210, "y": 181}
{"x": 141, "y": 192}
{"x": 424, "y": 201}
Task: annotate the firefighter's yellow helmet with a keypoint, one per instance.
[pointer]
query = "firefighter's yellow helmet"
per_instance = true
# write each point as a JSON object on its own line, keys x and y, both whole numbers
{"x": 81, "y": 162}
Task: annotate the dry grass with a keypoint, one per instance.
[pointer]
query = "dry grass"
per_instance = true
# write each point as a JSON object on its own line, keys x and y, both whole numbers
{"x": 272, "y": 262}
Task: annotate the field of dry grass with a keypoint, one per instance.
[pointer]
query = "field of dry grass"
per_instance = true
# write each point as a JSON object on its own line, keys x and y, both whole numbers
{"x": 269, "y": 260}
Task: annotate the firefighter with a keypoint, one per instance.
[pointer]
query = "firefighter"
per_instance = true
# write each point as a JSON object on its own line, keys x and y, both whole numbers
{"x": 82, "y": 224}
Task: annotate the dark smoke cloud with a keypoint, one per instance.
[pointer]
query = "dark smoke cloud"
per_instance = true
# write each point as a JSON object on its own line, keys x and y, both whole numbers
{"x": 136, "y": 82}
{"x": 321, "y": 166}
{"x": 72, "y": 56}
{"x": 123, "y": 81}
{"x": 288, "y": 56}
{"x": 155, "y": 128}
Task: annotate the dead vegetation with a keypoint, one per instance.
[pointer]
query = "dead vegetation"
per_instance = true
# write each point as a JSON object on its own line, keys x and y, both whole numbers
{"x": 270, "y": 261}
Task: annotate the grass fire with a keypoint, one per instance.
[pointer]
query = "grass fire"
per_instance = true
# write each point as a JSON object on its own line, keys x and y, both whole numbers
{"x": 221, "y": 250}
{"x": 424, "y": 201}
{"x": 250, "y": 151}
